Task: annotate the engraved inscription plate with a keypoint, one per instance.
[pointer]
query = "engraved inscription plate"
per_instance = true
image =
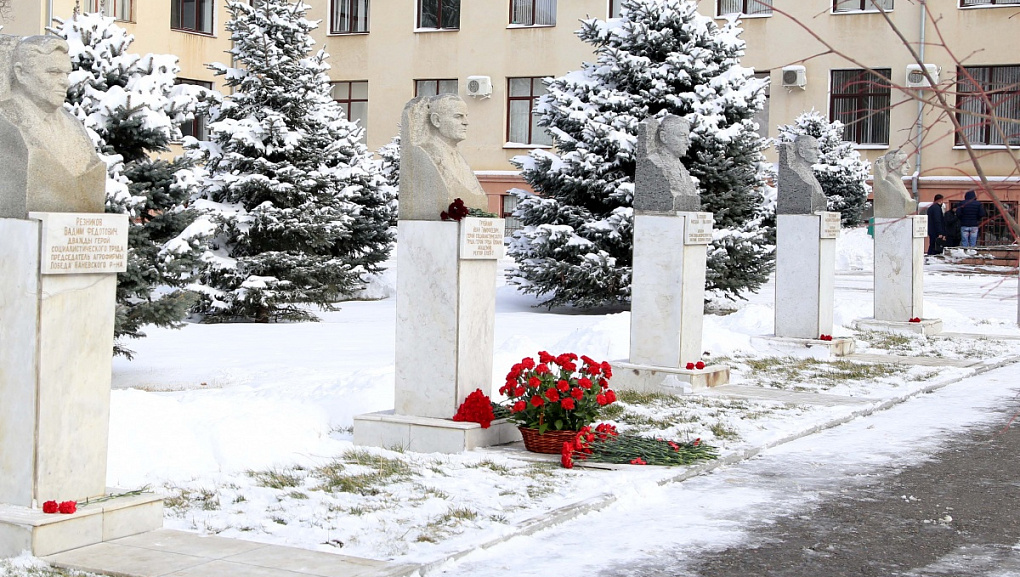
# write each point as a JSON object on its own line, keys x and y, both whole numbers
{"x": 920, "y": 225}
{"x": 699, "y": 228}
{"x": 81, "y": 243}
{"x": 482, "y": 238}
{"x": 830, "y": 225}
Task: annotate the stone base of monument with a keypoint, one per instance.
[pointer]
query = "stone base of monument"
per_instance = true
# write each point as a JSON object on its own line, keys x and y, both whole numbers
{"x": 26, "y": 529}
{"x": 815, "y": 348}
{"x": 926, "y": 327}
{"x": 429, "y": 435}
{"x": 653, "y": 379}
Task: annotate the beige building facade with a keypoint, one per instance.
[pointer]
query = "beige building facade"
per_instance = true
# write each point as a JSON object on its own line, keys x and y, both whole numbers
{"x": 836, "y": 56}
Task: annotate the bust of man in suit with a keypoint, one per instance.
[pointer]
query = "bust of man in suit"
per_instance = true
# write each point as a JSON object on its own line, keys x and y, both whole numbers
{"x": 433, "y": 172}
{"x": 47, "y": 161}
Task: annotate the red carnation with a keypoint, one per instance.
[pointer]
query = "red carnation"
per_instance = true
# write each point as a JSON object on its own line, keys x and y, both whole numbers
{"x": 584, "y": 383}
{"x": 600, "y": 399}
{"x": 534, "y": 382}
{"x": 699, "y": 365}
{"x": 566, "y": 455}
{"x": 68, "y": 507}
{"x": 542, "y": 369}
{"x": 552, "y": 395}
{"x": 562, "y": 385}
{"x": 537, "y": 401}
{"x": 638, "y": 461}
{"x": 576, "y": 393}
{"x": 690, "y": 366}
{"x": 607, "y": 370}
{"x": 518, "y": 407}
{"x": 50, "y": 507}
{"x": 545, "y": 357}
{"x": 610, "y": 396}
{"x": 567, "y": 403}
{"x": 528, "y": 363}
{"x": 569, "y": 366}
{"x": 519, "y": 391}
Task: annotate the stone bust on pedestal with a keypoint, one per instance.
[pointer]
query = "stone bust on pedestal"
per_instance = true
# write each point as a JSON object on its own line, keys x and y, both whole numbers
{"x": 47, "y": 161}
{"x": 891, "y": 197}
{"x": 799, "y": 190}
{"x": 432, "y": 171}
{"x": 661, "y": 182}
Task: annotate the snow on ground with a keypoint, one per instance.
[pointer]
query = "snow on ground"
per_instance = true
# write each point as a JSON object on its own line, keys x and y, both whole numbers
{"x": 246, "y": 428}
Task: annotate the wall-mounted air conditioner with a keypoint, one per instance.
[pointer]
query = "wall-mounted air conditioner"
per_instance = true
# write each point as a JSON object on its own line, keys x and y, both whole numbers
{"x": 915, "y": 76}
{"x": 479, "y": 86}
{"x": 794, "y": 76}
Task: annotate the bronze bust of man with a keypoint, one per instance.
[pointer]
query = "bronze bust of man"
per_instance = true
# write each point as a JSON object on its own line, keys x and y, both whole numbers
{"x": 47, "y": 161}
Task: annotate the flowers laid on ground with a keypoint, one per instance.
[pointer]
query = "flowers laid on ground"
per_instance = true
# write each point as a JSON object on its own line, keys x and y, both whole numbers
{"x": 915, "y": 320}
{"x": 605, "y": 445}
{"x": 64, "y": 508}
{"x": 825, "y": 337}
{"x": 558, "y": 393}
{"x": 698, "y": 365}
{"x": 476, "y": 408}
{"x": 456, "y": 211}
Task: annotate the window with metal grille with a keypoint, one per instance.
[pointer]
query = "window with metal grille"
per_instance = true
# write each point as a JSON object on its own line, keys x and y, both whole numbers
{"x": 522, "y": 120}
{"x": 860, "y": 99}
{"x": 192, "y": 15}
{"x": 435, "y": 87}
{"x": 440, "y": 14}
{"x": 348, "y": 16}
{"x": 353, "y": 99}
{"x": 988, "y": 99}
{"x": 966, "y": 3}
{"x": 744, "y": 7}
{"x": 533, "y": 12}
{"x": 507, "y": 212}
{"x": 119, "y": 9}
{"x": 861, "y": 5}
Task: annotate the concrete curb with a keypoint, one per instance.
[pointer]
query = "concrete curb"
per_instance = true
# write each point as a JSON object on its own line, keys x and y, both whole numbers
{"x": 566, "y": 513}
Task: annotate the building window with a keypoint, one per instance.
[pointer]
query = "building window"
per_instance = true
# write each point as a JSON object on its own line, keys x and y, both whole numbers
{"x": 353, "y": 98}
{"x": 861, "y": 5}
{"x": 435, "y": 87}
{"x": 507, "y": 212}
{"x": 860, "y": 100}
{"x": 192, "y": 15}
{"x": 196, "y": 126}
{"x": 966, "y": 3}
{"x": 522, "y": 121}
{"x": 744, "y": 7}
{"x": 119, "y": 9}
{"x": 533, "y": 12}
{"x": 986, "y": 93}
{"x": 440, "y": 14}
{"x": 348, "y": 17}
{"x": 614, "y": 8}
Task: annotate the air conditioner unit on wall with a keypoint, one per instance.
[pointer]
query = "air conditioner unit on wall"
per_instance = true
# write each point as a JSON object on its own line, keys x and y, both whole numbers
{"x": 479, "y": 86}
{"x": 794, "y": 76}
{"x": 916, "y": 79}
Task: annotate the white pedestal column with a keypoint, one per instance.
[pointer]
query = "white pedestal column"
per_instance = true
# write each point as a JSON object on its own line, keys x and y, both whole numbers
{"x": 668, "y": 304}
{"x": 56, "y": 346}
{"x": 446, "y": 310}
{"x": 805, "y": 274}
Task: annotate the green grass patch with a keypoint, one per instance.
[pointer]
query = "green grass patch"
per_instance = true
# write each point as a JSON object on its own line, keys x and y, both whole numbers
{"x": 334, "y": 477}
{"x": 276, "y": 478}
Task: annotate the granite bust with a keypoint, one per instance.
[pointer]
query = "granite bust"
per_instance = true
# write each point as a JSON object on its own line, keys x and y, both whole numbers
{"x": 433, "y": 172}
{"x": 891, "y": 197}
{"x": 661, "y": 182}
{"x": 47, "y": 161}
{"x": 799, "y": 190}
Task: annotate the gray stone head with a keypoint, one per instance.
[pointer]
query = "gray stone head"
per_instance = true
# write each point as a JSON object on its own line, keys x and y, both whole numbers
{"x": 799, "y": 190}
{"x": 38, "y": 71}
{"x": 448, "y": 117}
{"x": 674, "y": 134}
{"x": 806, "y": 147}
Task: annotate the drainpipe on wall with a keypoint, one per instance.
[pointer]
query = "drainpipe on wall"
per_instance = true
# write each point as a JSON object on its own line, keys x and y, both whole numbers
{"x": 49, "y": 15}
{"x": 919, "y": 127}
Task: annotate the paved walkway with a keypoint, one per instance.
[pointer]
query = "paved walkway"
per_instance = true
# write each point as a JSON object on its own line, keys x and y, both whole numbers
{"x": 179, "y": 554}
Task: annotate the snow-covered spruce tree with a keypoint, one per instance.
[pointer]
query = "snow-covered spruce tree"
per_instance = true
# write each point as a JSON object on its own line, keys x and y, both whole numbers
{"x": 389, "y": 154}
{"x": 301, "y": 207}
{"x": 841, "y": 170}
{"x": 660, "y": 57}
{"x": 131, "y": 107}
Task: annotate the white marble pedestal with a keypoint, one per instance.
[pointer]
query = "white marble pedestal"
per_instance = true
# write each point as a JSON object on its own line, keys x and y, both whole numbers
{"x": 57, "y": 300}
{"x": 667, "y": 305}
{"x": 446, "y": 310}
{"x": 809, "y": 348}
{"x": 924, "y": 327}
{"x": 805, "y": 274}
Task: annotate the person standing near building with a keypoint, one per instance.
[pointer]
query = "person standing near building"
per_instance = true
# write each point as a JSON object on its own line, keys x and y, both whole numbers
{"x": 971, "y": 213}
{"x": 936, "y": 226}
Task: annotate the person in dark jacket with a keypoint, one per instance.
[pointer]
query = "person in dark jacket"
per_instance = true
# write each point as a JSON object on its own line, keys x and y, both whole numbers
{"x": 936, "y": 226}
{"x": 971, "y": 213}
{"x": 953, "y": 234}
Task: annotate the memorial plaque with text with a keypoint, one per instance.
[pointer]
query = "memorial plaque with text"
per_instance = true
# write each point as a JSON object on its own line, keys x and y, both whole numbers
{"x": 82, "y": 243}
{"x": 699, "y": 228}
{"x": 920, "y": 225}
{"x": 482, "y": 238}
{"x": 830, "y": 225}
